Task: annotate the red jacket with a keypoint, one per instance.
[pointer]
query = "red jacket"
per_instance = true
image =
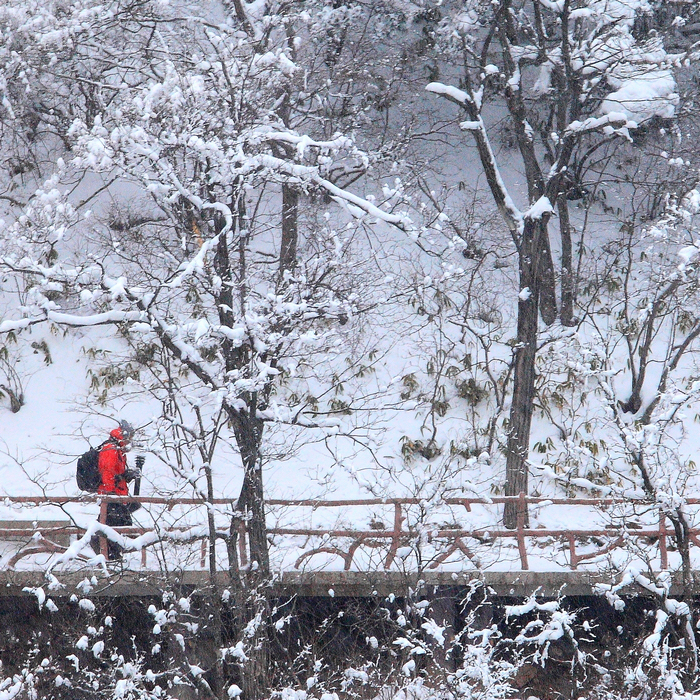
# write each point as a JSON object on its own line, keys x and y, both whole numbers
{"x": 112, "y": 464}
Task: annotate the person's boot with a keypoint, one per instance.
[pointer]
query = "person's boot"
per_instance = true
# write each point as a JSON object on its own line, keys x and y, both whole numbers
{"x": 114, "y": 552}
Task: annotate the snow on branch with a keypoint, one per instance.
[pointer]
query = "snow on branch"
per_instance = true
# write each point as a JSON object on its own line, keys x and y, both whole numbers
{"x": 608, "y": 124}
{"x": 11, "y": 688}
{"x": 476, "y": 126}
{"x": 452, "y": 93}
{"x": 224, "y": 210}
{"x": 197, "y": 262}
{"x": 541, "y": 207}
{"x": 554, "y": 5}
{"x": 567, "y": 481}
{"x": 302, "y": 142}
{"x": 108, "y": 317}
{"x": 632, "y": 576}
{"x": 688, "y": 255}
{"x": 471, "y": 125}
{"x": 668, "y": 608}
{"x": 129, "y": 544}
{"x": 95, "y": 319}
{"x": 543, "y": 633}
{"x": 184, "y": 352}
{"x": 311, "y": 174}
{"x": 294, "y": 416}
{"x": 531, "y": 605}
{"x": 401, "y": 222}
{"x": 11, "y": 326}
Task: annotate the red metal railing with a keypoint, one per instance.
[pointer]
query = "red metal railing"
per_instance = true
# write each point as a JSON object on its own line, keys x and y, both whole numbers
{"x": 346, "y": 542}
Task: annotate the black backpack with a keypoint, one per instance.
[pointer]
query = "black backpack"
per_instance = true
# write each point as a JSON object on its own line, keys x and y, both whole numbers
{"x": 88, "y": 473}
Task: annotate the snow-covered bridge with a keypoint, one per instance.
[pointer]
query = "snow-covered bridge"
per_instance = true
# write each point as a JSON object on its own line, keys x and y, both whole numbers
{"x": 353, "y": 545}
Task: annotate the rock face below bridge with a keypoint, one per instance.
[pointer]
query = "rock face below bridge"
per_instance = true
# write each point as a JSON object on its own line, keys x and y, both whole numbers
{"x": 333, "y": 612}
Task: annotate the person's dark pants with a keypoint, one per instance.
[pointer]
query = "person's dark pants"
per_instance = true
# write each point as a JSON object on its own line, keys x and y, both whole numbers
{"x": 118, "y": 514}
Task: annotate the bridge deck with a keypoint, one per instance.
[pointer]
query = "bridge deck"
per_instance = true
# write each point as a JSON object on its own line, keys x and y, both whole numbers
{"x": 327, "y": 583}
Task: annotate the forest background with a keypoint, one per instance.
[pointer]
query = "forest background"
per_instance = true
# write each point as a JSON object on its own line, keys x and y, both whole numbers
{"x": 366, "y": 248}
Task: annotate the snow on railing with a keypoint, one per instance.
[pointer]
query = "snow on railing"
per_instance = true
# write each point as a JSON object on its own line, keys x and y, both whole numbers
{"x": 447, "y": 541}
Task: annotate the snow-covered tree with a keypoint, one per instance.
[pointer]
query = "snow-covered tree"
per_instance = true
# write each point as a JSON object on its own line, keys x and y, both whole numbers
{"x": 645, "y": 320}
{"x": 194, "y": 142}
{"x": 188, "y": 212}
{"x": 572, "y": 76}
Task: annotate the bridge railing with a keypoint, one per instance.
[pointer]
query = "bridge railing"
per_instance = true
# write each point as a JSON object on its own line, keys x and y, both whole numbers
{"x": 447, "y": 541}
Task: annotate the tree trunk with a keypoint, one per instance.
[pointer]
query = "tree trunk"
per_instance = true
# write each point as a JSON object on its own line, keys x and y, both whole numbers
{"x": 682, "y": 532}
{"x": 547, "y": 283}
{"x": 521, "y": 409}
{"x": 290, "y": 215}
{"x": 248, "y": 430}
{"x": 255, "y": 680}
{"x": 567, "y": 264}
{"x": 251, "y": 601}
{"x": 213, "y": 598}
{"x": 247, "y": 426}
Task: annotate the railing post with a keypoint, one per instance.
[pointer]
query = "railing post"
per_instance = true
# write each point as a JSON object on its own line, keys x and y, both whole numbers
{"x": 663, "y": 551}
{"x": 573, "y": 557}
{"x": 396, "y": 536}
{"x": 104, "y": 550}
{"x": 521, "y": 515}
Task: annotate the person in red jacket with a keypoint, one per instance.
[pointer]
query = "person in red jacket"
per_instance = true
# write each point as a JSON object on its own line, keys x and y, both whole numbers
{"x": 115, "y": 475}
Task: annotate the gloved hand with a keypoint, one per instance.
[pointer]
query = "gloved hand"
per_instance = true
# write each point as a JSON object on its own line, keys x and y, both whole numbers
{"x": 130, "y": 475}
